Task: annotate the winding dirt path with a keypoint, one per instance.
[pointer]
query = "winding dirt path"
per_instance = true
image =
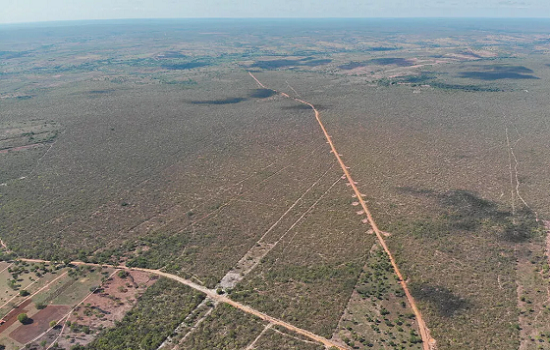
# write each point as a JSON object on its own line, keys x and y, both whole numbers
{"x": 428, "y": 342}
{"x": 212, "y": 294}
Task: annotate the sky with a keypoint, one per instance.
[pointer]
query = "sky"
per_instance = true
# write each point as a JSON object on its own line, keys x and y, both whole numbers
{"x": 20, "y": 11}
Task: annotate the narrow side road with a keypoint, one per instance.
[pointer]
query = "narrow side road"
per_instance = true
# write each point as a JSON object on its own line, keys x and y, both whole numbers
{"x": 212, "y": 294}
{"x": 428, "y": 343}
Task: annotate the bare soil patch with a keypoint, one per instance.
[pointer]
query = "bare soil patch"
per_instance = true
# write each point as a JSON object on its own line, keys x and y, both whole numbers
{"x": 20, "y": 148}
{"x": 102, "y": 309}
{"x": 11, "y": 317}
{"x": 40, "y": 324}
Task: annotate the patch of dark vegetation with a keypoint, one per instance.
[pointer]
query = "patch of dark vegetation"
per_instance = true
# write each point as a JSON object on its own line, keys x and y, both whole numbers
{"x": 262, "y": 93}
{"x": 352, "y": 65}
{"x": 315, "y": 63}
{"x": 184, "y": 83}
{"x": 185, "y": 66}
{"x": 100, "y": 92}
{"x": 417, "y": 79}
{"x": 497, "y": 72}
{"x": 445, "y": 302}
{"x": 25, "y": 97}
{"x": 430, "y": 79}
{"x": 230, "y": 100}
{"x": 467, "y": 88}
{"x": 375, "y": 282}
{"x": 386, "y": 61}
{"x": 282, "y": 63}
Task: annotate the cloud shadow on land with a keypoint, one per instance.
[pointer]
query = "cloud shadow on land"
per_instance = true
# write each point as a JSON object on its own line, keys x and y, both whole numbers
{"x": 465, "y": 211}
{"x": 383, "y": 61}
{"x": 445, "y": 302}
{"x": 262, "y": 93}
{"x": 282, "y": 63}
{"x": 497, "y": 72}
{"x": 185, "y": 66}
{"x": 230, "y": 100}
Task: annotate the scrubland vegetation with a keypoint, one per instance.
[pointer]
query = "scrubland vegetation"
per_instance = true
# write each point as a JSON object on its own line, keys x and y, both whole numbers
{"x": 225, "y": 328}
{"x": 165, "y": 154}
{"x": 159, "y": 311}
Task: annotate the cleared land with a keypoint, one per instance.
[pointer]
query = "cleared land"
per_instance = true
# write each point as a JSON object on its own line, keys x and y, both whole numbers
{"x": 51, "y": 297}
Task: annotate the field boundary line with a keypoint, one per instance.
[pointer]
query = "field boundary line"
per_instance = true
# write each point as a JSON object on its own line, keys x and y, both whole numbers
{"x": 233, "y": 276}
{"x": 195, "y": 326}
{"x": 32, "y": 295}
{"x": 300, "y": 219}
{"x": 7, "y": 267}
{"x": 251, "y": 345}
{"x": 68, "y": 314}
{"x": 428, "y": 343}
{"x": 291, "y": 336}
{"x": 192, "y": 327}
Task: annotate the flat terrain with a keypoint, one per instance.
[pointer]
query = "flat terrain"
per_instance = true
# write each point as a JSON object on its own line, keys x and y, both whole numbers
{"x": 149, "y": 145}
{"x": 52, "y": 295}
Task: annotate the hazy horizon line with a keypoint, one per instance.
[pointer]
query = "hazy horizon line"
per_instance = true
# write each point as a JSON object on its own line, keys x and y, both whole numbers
{"x": 270, "y": 18}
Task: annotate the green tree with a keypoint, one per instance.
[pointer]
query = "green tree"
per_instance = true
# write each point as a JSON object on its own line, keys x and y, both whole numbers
{"x": 24, "y": 293}
{"x": 23, "y": 318}
{"x": 53, "y": 323}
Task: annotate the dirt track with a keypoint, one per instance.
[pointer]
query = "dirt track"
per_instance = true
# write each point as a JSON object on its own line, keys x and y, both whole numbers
{"x": 428, "y": 341}
{"x": 222, "y": 299}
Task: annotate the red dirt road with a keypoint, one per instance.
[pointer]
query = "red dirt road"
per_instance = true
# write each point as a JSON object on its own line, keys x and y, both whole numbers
{"x": 428, "y": 343}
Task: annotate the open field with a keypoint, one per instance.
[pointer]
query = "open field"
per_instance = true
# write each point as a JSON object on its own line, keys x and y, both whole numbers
{"x": 55, "y": 291}
{"x": 164, "y": 153}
